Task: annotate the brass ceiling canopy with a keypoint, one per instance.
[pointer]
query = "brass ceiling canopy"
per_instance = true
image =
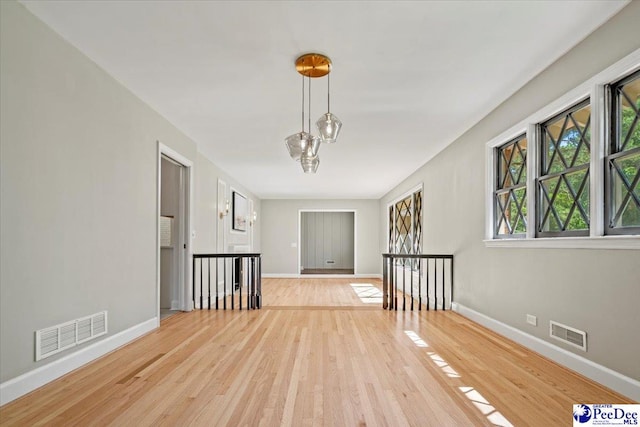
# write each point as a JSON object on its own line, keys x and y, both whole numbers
{"x": 313, "y": 65}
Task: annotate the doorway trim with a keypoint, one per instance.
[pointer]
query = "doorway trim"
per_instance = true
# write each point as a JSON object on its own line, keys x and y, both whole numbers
{"x": 355, "y": 239}
{"x": 186, "y": 201}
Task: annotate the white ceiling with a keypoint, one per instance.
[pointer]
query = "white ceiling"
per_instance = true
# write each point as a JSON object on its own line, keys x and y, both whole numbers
{"x": 408, "y": 77}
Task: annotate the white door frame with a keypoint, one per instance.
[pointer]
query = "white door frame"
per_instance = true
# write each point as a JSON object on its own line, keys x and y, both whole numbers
{"x": 355, "y": 236}
{"x": 184, "y": 233}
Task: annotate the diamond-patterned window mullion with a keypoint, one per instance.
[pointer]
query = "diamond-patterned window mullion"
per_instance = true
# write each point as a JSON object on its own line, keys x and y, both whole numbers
{"x": 513, "y": 179}
{"x": 583, "y": 134}
{"x": 573, "y": 203}
{"x": 575, "y": 196}
{"x": 580, "y": 142}
{"x": 521, "y": 209}
{"x": 508, "y": 209}
{"x": 523, "y": 167}
{"x": 503, "y": 214}
{"x": 507, "y": 170}
{"x": 417, "y": 226}
{"x": 499, "y": 213}
{"x": 417, "y": 222}
{"x": 502, "y": 177}
{"x": 556, "y": 215}
{"x": 630, "y": 193}
{"x": 622, "y": 192}
{"x": 585, "y": 180}
{"x": 405, "y": 226}
{"x": 399, "y": 226}
{"x": 629, "y": 134}
{"x": 550, "y": 208}
{"x": 512, "y": 195}
{"x": 560, "y": 200}
{"x": 521, "y": 206}
{"x": 556, "y": 143}
{"x": 402, "y": 230}
{"x": 633, "y": 124}
{"x": 548, "y": 164}
{"x": 564, "y": 129}
{"x": 636, "y": 183}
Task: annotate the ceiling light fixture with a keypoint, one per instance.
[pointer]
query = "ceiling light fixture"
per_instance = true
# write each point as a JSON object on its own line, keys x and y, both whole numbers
{"x": 303, "y": 146}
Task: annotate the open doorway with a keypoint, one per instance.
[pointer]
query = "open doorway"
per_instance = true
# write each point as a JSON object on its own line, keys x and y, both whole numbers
{"x": 327, "y": 242}
{"x": 174, "y": 182}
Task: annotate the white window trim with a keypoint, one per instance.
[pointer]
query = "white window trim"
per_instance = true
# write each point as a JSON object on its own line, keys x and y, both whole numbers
{"x": 594, "y": 88}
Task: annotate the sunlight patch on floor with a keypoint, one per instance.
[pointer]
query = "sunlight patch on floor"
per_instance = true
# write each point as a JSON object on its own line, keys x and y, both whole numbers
{"x": 444, "y": 365}
{"x": 367, "y": 293}
{"x": 416, "y": 339}
{"x": 482, "y": 404}
{"x": 495, "y": 417}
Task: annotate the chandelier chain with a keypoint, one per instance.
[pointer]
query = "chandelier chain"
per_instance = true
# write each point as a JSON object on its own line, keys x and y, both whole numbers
{"x": 328, "y": 93}
{"x": 309, "y": 112}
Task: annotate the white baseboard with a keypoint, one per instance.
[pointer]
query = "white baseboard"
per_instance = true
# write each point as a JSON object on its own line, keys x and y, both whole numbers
{"x": 601, "y": 374}
{"x": 27, "y": 382}
{"x": 369, "y": 276}
{"x": 321, "y": 276}
{"x": 280, "y": 276}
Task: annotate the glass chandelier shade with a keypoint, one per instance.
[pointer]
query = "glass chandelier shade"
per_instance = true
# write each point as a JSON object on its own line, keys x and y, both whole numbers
{"x": 309, "y": 163}
{"x": 302, "y": 143}
{"x": 329, "y": 127}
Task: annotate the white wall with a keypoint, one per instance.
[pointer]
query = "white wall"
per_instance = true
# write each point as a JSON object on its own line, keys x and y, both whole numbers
{"x": 78, "y": 189}
{"x": 593, "y": 290}
{"x": 79, "y": 168}
{"x": 207, "y": 210}
{"x": 280, "y": 230}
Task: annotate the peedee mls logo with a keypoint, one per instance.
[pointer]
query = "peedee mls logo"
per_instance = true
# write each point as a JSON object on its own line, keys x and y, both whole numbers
{"x": 606, "y": 415}
{"x": 581, "y": 413}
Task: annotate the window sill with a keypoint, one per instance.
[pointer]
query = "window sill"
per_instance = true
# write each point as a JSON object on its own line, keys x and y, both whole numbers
{"x": 602, "y": 242}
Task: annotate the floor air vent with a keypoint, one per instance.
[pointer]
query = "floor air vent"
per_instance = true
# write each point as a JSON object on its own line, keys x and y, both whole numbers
{"x": 50, "y": 341}
{"x": 568, "y": 335}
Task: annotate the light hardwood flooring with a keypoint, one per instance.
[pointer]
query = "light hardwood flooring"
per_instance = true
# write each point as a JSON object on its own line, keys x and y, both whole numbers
{"x": 316, "y": 354}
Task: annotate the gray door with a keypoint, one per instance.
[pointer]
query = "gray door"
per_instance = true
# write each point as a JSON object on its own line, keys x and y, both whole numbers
{"x": 327, "y": 240}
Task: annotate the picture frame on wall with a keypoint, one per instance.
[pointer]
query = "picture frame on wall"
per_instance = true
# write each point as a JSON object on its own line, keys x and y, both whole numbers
{"x": 239, "y": 212}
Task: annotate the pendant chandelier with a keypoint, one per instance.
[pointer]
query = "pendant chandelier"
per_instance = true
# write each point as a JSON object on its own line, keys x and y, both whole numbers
{"x": 303, "y": 146}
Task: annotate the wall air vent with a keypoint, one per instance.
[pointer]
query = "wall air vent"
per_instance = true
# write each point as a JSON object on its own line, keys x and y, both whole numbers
{"x": 54, "y": 339}
{"x": 568, "y": 335}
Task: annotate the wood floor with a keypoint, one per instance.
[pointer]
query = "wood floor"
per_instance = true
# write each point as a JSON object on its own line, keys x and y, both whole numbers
{"x": 316, "y": 354}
